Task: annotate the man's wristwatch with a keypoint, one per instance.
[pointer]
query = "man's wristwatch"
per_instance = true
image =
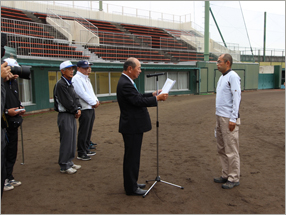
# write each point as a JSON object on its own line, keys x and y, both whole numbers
{"x": 6, "y": 111}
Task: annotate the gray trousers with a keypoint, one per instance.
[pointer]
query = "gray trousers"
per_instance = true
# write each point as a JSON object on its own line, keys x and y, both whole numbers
{"x": 68, "y": 130}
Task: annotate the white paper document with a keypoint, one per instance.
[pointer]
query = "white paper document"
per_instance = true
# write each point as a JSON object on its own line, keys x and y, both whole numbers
{"x": 168, "y": 85}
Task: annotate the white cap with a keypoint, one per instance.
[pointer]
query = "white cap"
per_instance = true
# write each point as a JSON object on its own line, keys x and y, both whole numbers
{"x": 11, "y": 62}
{"x": 66, "y": 64}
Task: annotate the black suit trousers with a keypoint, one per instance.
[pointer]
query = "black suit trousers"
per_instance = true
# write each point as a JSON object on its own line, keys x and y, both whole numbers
{"x": 86, "y": 121}
{"x": 11, "y": 151}
{"x": 131, "y": 163}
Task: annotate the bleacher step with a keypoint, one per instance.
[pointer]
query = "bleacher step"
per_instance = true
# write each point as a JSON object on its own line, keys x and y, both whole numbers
{"x": 85, "y": 52}
{"x": 33, "y": 17}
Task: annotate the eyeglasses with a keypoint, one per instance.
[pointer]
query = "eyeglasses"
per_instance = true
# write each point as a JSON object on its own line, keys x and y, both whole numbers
{"x": 69, "y": 68}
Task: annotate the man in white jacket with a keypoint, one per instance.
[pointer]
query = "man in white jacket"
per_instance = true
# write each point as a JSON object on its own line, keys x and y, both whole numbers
{"x": 89, "y": 101}
{"x": 228, "y": 97}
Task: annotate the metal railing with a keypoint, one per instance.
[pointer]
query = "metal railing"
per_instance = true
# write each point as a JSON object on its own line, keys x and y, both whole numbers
{"x": 184, "y": 55}
{"x": 172, "y": 43}
{"x": 62, "y": 23}
{"x": 42, "y": 47}
{"x": 32, "y": 29}
{"x": 120, "y": 53}
{"x": 70, "y": 15}
{"x": 118, "y": 39}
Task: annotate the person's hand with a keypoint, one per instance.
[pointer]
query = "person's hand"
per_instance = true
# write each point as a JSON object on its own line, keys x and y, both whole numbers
{"x": 22, "y": 112}
{"x": 96, "y": 105}
{"x": 231, "y": 125}
{"x": 162, "y": 97}
{"x": 77, "y": 115}
{"x": 13, "y": 112}
{"x": 14, "y": 77}
{"x": 5, "y": 71}
{"x": 155, "y": 92}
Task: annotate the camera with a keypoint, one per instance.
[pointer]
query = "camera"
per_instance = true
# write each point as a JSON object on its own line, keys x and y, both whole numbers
{"x": 23, "y": 71}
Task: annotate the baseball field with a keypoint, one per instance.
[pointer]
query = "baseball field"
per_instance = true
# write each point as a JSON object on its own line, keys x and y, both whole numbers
{"x": 187, "y": 157}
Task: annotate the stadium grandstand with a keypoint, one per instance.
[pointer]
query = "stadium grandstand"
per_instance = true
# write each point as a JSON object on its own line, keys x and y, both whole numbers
{"x": 42, "y": 36}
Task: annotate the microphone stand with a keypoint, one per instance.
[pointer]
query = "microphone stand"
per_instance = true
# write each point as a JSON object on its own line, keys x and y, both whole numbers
{"x": 158, "y": 178}
{"x": 22, "y": 144}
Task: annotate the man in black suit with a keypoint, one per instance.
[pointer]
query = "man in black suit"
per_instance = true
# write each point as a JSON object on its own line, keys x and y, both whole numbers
{"x": 134, "y": 121}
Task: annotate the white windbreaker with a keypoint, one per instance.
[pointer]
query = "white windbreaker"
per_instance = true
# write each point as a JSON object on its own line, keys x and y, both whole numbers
{"x": 84, "y": 90}
{"x": 228, "y": 95}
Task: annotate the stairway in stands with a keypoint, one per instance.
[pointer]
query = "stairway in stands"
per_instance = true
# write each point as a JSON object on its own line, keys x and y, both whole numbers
{"x": 48, "y": 28}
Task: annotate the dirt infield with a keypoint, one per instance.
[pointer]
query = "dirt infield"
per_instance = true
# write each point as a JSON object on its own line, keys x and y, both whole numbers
{"x": 187, "y": 157}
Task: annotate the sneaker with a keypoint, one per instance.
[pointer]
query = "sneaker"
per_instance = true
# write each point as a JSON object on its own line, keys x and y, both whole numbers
{"x": 15, "y": 183}
{"x": 220, "y": 180}
{"x": 94, "y": 144}
{"x": 91, "y": 147}
{"x": 229, "y": 185}
{"x": 76, "y": 166}
{"x": 84, "y": 158}
{"x": 90, "y": 153}
{"x": 8, "y": 186}
{"x": 69, "y": 171}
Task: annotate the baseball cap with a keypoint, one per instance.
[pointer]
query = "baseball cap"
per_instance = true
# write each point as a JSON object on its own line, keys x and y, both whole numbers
{"x": 66, "y": 64}
{"x": 11, "y": 62}
{"x": 83, "y": 64}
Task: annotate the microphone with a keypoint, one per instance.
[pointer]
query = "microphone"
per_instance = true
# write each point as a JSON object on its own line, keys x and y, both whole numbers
{"x": 153, "y": 75}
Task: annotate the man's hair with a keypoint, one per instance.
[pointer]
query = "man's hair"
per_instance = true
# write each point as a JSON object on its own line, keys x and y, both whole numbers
{"x": 129, "y": 62}
{"x": 227, "y": 57}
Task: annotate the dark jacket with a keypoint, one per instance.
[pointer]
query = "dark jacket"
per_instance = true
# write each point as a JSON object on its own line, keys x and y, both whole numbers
{"x": 12, "y": 94}
{"x": 12, "y": 101}
{"x": 134, "y": 116}
{"x": 65, "y": 98}
{"x": 3, "y": 99}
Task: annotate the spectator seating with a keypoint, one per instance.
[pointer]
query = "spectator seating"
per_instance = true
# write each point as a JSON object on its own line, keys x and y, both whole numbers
{"x": 105, "y": 26}
{"x": 116, "y": 44}
{"x": 122, "y": 53}
{"x": 14, "y": 14}
{"x": 178, "y": 33}
{"x": 30, "y": 46}
{"x": 23, "y": 28}
{"x": 160, "y": 38}
{"x": 107, "y": 32}
{"x": 186, "y": 55}
{"x": 41, "y": 16}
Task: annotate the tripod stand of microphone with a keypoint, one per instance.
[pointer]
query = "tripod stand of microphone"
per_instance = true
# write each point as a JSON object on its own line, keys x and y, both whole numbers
{"x": 158, "y": 178}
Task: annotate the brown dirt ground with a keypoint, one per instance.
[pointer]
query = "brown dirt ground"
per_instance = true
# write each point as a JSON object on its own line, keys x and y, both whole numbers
{"x": 187, "y": 157}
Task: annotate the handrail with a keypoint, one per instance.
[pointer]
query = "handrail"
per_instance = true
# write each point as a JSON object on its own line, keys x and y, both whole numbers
{"x": 51, "y": 10}
{"x": 89, "y": 23}
{"x": 39, "y": 26}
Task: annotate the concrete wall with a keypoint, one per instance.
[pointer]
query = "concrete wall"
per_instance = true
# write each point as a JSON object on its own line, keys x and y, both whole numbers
{"x": 99, "y": 15}
{"x": 210, "y": 75}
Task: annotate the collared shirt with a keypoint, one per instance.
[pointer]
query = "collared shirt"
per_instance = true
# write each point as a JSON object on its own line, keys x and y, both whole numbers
{"x": 66, "y": 80}
{"x": 228, "y": 95}
{"x": 83, "y": 88}
{"x": 130, "y": 80}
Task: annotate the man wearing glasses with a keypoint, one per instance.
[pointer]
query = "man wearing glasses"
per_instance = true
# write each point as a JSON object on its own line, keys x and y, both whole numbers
{"x": 228, "y": 97}
{"x": 66, "y": 102}
{"x": 88, "y": 101}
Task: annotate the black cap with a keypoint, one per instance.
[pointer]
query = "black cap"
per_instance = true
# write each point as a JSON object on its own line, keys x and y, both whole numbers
{"x": 83, "y": 64}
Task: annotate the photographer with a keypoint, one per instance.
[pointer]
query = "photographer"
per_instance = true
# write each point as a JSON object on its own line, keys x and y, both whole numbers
{"x": 13, "y": 111}
{"x": 5, "y": 74}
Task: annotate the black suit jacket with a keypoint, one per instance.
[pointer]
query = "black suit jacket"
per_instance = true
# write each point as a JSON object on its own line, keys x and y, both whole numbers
{"x": 134, "y": 116}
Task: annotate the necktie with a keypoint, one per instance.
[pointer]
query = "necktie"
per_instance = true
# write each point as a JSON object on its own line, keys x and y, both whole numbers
{"x": 135, "y": 86}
